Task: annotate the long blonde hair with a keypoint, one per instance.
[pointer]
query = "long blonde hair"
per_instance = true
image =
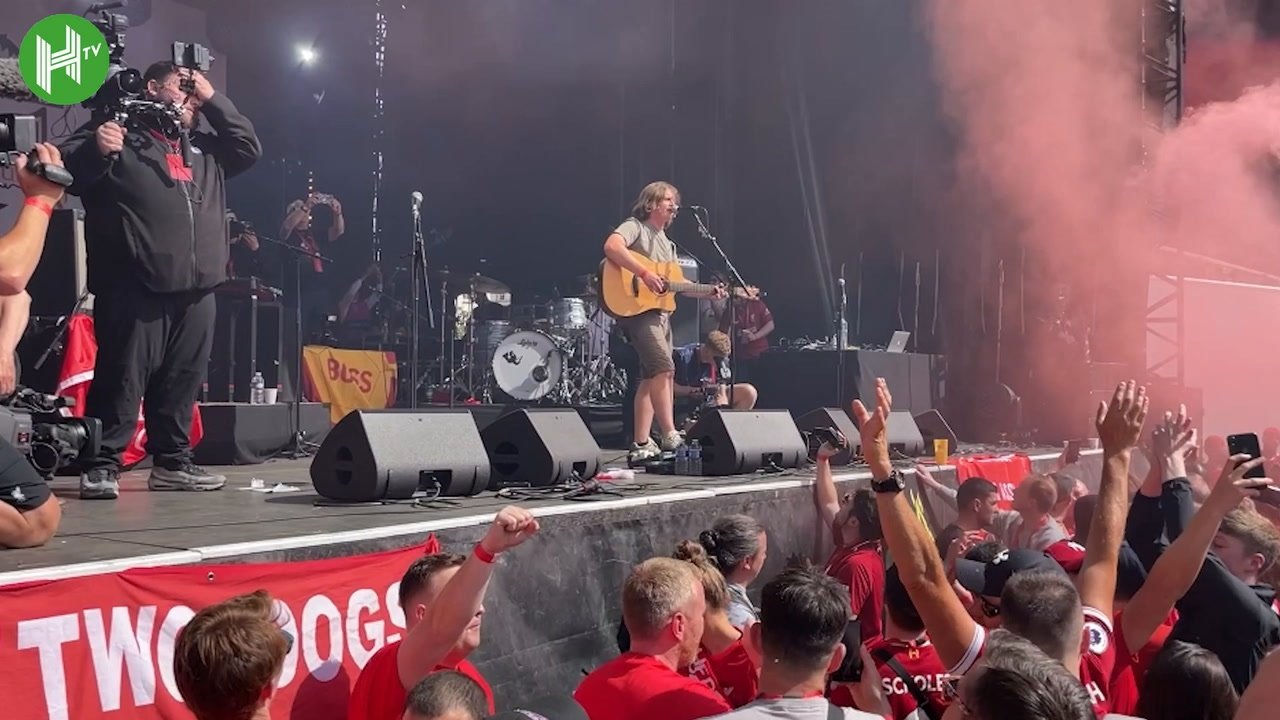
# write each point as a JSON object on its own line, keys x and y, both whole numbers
{"x": 650, "y": 196}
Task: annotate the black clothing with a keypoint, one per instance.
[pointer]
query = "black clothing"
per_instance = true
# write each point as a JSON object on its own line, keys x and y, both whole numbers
{"x": 1220, "y": 612}
{"x": 155, "y": 349}
{"x": 146, "y": 227}
{"x": 20, "y": 485}
{"x": 157, "y": 247}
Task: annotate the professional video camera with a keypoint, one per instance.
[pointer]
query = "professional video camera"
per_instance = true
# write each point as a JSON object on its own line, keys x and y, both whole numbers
{"x": 123, "y": 94}
{"x": 33, "y": 423}
{"x": 18, "y": 137}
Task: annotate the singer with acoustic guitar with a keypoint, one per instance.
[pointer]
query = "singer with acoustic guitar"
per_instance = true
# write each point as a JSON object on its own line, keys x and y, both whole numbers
{"x": 639, "y": 278}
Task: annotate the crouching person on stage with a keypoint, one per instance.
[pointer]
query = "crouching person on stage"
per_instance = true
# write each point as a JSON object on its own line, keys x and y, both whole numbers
{"x": 157, "y": 230}
{"x": 29, "y": 514}
{"x": 442, "y": 596}
{"x": 703, "y": 375}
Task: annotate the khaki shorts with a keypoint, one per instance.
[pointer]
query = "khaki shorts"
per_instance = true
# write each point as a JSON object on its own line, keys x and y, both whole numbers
{"x": 650, "y": 335}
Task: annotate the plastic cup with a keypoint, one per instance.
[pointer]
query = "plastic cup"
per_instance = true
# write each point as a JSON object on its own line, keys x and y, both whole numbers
{"x": 270, "y": 395}
{"x": 940, "y": 451}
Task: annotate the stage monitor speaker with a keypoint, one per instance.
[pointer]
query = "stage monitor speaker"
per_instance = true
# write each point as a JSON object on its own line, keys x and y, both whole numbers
{"x": 932, "y": 427}
{"x": 832, "y": 418}
{"x": 735, "y": 442}
{"x": 904, "y": 436}
{"x": 62, "y": 275}
{"x": 540, "y": 448}
{"x": 373, "y": 455}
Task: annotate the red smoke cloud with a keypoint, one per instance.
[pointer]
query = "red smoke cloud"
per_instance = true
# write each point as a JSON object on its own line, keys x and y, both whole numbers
{"x": 1047, "y": 97}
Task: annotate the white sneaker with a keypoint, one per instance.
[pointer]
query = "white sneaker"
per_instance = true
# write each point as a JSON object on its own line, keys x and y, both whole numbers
{"x": 671, "y": 441}
{"x": 642, "y": 453}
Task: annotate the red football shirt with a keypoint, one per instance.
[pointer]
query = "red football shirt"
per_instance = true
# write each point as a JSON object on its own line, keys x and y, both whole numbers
{"x": 861, "y": 569}
{"x": 379, "y": 694}
{"x": 1097, "y": 657}
{"x": 751, "y": 314}
{"x": 1131, "y": 666}
{"x": 640, "y": 687}
{"x": 922, "y": 664}
{"x": 731, "y": 673}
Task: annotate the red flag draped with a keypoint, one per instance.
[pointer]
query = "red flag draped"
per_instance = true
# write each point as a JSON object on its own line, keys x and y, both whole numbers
{"x": 77, "y": 372}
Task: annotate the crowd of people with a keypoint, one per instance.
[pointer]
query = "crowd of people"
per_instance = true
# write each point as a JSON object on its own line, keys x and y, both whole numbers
{"x": 1098, "y": 605}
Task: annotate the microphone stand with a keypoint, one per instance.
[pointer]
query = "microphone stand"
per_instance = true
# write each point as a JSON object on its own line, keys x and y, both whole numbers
{"x": 735, "y": 282}
{"x": 420, "y": 275}
{"x": 842, "y": 339}
{"x": 297, "y": 448}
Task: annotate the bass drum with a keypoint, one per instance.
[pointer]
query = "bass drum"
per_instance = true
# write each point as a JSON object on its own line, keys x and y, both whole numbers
{"x": 528, "y": 365}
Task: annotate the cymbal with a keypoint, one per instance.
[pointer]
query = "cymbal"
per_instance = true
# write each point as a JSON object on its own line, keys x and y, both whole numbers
{"x": 480, "y": 283}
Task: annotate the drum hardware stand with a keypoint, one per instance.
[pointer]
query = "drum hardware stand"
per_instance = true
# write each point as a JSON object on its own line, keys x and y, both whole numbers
{"x": 299, "y": 447}
{"x": 419, "y": 274}
{"x": 735, "y": 283}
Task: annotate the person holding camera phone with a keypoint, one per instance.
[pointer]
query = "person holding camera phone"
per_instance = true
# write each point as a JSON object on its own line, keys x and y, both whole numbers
{"x": 157, "y": 248}
{"x": 313, "y": 224}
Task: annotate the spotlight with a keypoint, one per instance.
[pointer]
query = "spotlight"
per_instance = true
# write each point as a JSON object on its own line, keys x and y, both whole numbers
{"x": 307, "y": 55}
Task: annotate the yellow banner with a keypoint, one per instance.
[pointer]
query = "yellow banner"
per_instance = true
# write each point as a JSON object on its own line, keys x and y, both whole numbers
{"x": 349, "y": 379}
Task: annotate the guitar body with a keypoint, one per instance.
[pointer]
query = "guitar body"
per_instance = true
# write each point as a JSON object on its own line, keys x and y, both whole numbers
{"x": 623, "y": 294}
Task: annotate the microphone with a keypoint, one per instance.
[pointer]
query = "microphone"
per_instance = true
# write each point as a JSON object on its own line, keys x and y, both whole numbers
{"x": 417, "y": 199}
{"x": 98, "y": 7}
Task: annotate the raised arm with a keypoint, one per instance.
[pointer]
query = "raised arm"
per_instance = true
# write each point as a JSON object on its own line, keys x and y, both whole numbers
{"x": 1179, "y": 566}
{"x": 1119, "y": 427}
{"x": 825, "y": 496}
{"x": 449, "y": 614}
{"x": 236, "y": 146}
{"x": 21, "y": 247}
{"x": 952, "y": 631}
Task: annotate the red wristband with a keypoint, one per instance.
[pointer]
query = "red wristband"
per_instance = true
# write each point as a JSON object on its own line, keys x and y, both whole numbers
{"x": 483, "y": 555}
{"x": 43, "y": 206}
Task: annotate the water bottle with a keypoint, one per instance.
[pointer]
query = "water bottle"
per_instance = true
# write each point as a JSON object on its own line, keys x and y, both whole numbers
{"x": 695, "y": 458}
{"x": 257, "y": 389}
{"x": 682, "y": 460}
{"x": 844, "y": 334}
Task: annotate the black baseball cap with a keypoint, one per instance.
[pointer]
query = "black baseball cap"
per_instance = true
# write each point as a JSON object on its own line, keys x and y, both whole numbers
{"x": 548, "y": 708}
{"x": 989, "y": 578}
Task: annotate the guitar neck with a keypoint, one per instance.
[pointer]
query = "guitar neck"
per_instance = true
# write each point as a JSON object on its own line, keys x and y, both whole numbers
{"x": 688, "y": 288}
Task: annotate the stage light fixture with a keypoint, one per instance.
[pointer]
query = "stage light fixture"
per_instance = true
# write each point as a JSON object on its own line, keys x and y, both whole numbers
{"x": 307, "y": 55}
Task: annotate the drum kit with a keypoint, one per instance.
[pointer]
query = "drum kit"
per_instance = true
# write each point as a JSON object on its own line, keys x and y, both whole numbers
{"x": 551, "y": 351}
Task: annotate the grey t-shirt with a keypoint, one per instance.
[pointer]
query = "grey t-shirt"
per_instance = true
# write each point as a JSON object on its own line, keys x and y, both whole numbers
{"x": 741, "y": 611}
{"x": 651, "y": 243}
{"x": 796, "y": 709}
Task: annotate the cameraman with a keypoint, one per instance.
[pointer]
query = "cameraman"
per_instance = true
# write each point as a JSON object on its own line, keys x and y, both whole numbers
{"x": 20, "y": 248}
{"x": 157, "y": 249}
{"x": 29, "y": 514}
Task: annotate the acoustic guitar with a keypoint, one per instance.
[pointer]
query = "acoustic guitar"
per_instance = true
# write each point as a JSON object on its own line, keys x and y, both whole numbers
{"x": 623, "y": 294}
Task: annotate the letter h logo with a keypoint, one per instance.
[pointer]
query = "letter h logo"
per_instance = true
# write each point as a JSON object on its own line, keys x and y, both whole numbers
{"x": 47, "y": 60}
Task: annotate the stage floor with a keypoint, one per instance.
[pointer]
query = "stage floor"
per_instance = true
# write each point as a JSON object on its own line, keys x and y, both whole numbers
{"x": 148, "y": 529}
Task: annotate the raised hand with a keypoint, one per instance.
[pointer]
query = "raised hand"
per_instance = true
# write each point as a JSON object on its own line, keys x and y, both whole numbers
{"x": 1120, "y": 422}
{"x": 511, "y": 527}
{"x": 871, "y": 427}
{"x": 110, "y": 138}
{"x": 1233, "y": 487}
{"x": 1173, "y": 442}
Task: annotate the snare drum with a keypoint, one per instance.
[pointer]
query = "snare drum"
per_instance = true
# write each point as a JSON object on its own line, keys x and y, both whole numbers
{"x": 490, "y": 334}
{"x": 527, "y": 365}
{"x": 568, "y": 314}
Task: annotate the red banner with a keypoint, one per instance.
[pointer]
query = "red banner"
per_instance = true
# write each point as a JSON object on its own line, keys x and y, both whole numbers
{"x": 1006, "y": 471}
{"x": 102, "y": 646}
